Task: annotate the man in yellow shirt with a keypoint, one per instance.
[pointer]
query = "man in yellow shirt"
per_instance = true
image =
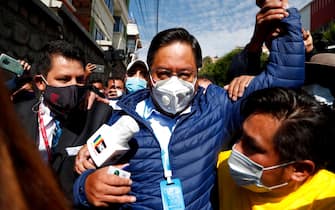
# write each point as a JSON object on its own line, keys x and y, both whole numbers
{"x": 278, "y": 162}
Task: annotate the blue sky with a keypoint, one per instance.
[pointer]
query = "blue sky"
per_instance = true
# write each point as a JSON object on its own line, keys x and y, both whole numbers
{"x": 219, "y": 25}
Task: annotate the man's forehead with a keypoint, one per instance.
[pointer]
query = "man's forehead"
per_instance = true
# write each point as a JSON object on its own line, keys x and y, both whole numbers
{"x": 261, "y": 125}
{"x": 115, "y": 82}
{"x": 57, "y": 61}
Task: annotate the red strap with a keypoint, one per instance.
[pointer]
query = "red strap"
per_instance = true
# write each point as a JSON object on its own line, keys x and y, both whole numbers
{"x": 44, "y": 135}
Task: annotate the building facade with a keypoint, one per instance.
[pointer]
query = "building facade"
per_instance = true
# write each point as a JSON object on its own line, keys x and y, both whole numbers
{"x": 27, "y": 25}
{"x": 322, "y": 13}
{"x": 98, "y": 27}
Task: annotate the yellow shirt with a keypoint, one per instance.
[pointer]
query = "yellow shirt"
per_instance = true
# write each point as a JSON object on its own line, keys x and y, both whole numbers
{"x": 316, "y": 193}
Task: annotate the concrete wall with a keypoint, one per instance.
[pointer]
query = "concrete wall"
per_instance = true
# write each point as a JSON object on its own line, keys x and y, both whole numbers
{"x": 306, "y": 17}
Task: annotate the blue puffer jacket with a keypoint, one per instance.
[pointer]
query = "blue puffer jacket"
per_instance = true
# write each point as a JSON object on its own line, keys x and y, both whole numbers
{"x": 199, "y": 135}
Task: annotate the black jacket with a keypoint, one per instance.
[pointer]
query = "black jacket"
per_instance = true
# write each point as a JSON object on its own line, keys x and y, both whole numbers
{"x": 74, "y": 133}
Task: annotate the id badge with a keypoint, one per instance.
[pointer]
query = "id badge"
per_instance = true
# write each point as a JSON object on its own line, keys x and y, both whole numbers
{"x": 172, "y": 195}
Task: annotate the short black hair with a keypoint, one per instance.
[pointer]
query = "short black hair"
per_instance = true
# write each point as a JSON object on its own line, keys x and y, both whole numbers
{"x": 57, "y": 47}
{"x": 96, "y": 81}
{"x": 305, "y": 132}
{"x": 171, "y": 35}
{"x": 115, "y": 78}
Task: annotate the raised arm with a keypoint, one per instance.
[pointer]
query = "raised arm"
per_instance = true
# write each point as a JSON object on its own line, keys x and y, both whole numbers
{"x": 286, "y": 65}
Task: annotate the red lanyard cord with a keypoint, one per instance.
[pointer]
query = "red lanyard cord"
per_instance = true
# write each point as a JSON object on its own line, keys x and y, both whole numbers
{"x": 44, "y": 135}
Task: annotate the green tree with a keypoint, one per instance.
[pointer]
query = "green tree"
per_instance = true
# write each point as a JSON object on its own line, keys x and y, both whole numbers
{"x": 217, "y": 71}
{"x": 207, "y": 60}
{"x": 324, "y": 38}
{"x": 264, "y": 59}
{"x": 329, "y": 34}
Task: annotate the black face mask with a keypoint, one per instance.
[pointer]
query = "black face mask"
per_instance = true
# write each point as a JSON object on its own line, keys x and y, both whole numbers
{"x": 64, "y": 101}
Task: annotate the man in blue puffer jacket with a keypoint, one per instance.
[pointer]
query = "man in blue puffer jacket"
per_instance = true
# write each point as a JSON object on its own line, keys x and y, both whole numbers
{"x": 173, "y": 157}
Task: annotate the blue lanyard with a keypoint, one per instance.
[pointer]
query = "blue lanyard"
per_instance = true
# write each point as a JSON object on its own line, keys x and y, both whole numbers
{"x": 163, "y": 126}
{"x": 166, "y": 161}
{"x": 57, "y": 134}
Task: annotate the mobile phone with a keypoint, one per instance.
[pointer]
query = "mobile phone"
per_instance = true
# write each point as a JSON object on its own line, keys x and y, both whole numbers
{"x": 11, "y": 64}
{"x": 118, "y": 172}
{"x": 99, "y": 68}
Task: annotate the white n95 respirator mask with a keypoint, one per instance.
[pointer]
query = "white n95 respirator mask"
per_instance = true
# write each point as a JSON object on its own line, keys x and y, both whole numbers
{"x": 173, "y": 95}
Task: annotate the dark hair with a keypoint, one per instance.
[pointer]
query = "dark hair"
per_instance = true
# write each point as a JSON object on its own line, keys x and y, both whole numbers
{"x": 305, "y": 132}
{"x": 96, "y": 81}
{"x": 169, "y": 36}
{"x": 115, "y": 78}
{"x": 26, "y": 181}
{"x": 57, "y": 47}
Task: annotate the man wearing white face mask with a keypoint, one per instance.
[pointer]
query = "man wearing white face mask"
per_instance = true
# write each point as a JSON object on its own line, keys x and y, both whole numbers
{"x": 173, "y": 95}
{"x": 172, "y": 159}
{"x": 115, "y": 90}
{"x": 278, "y": 162}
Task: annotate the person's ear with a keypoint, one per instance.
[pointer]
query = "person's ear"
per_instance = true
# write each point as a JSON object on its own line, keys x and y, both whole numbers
{"x": 302, "y": 170}
{"x": 39, "y": 82}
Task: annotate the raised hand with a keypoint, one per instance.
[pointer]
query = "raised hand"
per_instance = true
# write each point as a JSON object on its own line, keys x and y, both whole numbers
{"x": 237, "y": 86}
{"x": 267, "y": 19}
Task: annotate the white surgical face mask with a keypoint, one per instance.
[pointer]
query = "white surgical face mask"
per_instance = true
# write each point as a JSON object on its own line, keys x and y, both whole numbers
{"x": 173, "y": 95}
{"x": 119, "y": 93}
{"x": 248, "y": 173}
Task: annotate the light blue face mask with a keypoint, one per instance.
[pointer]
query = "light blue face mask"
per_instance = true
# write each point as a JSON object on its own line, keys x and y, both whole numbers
{"x": 134, "y": 84}
{"x": 247, "y": 173}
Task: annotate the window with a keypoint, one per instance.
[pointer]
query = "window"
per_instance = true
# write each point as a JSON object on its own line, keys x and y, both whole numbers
{"x": 109, "y": 4}
{"x": 131, "y": 45}
{"x": 118, "y": 25}
{"x": 98, "y": 35}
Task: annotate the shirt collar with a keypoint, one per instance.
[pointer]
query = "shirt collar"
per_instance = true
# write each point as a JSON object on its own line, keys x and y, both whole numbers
{"x": 46, "y": 114}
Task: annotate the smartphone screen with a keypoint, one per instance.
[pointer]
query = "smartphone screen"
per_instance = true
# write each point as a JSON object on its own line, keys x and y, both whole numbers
{"x": 99, "y": 69}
